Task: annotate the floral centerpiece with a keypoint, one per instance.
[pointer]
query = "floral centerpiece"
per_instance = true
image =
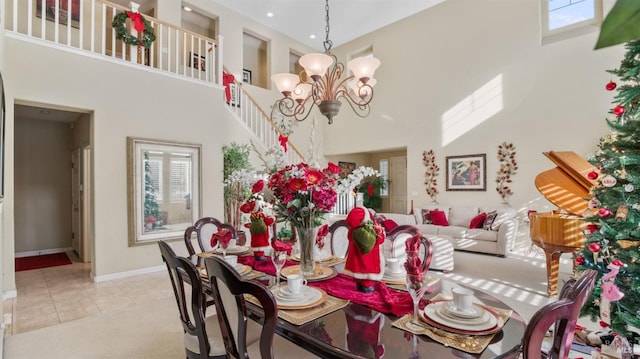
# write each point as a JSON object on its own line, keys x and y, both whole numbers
{"x": 302, "y": 195}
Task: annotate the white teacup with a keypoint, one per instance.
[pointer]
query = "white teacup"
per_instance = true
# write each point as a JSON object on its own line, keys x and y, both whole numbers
{"x": 394, "y": 265}
{"x": 232, "y": 260}
{"x": 295, "y": 282}
{"x": 462, "y": 298}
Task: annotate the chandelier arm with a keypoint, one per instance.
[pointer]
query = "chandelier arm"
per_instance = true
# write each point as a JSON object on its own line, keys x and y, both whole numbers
{"x": 360, "y": 109}
{"x": 308, "y": 112}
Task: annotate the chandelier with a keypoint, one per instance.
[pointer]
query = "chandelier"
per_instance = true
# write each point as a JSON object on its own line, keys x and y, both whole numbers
{"x": 321, "y": 84}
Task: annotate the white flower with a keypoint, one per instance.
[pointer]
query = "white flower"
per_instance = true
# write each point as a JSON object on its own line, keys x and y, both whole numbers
{"x": 354, "y": 179}
{"x": 243, "y": 178}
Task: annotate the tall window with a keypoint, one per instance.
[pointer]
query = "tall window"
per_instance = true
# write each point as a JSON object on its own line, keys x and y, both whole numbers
{"x": 562, "y": 19}
{"x": 155, "y": 170}
{"x": 180, "y": 179}
{"x": 384, "y": 174}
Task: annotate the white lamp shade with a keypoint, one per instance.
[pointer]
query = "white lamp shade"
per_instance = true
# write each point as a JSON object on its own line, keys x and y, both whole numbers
{"x": 363, "y": 68}
{"x": 301, "y": 92}
{"x": 355, "y": 85}
{"x": 285, "y": 82}
{"x": 315, "y": 64}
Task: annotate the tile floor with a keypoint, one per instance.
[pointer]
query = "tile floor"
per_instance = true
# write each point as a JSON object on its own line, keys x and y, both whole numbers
{"x": 55, "y": 295}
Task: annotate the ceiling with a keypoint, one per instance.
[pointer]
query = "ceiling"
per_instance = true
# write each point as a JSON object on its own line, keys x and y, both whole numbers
{"x": 348, "y": 19}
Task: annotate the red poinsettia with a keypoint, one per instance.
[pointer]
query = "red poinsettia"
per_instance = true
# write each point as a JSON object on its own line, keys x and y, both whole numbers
{"x": 257, "y": 187}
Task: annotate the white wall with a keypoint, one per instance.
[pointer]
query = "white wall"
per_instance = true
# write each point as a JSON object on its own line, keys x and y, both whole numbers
{"x": 539, "y": 98}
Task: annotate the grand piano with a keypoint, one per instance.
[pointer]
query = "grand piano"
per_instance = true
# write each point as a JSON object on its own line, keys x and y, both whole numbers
{"x": 562, "y": 231}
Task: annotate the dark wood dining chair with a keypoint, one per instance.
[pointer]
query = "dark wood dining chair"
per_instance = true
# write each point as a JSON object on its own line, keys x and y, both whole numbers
{"x": 563, "y": 315}
{"x": 202, "y": 336}
{"x": 204, "y": 228}
{"x": 339, "y": 241}
{"x": 399, "y": 235}
{"x": 229, "y": 290}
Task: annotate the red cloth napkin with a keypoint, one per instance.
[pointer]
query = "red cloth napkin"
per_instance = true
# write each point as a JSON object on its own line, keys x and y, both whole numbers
{"x": 222, "y": 236}
{"x": 282, "y": 246}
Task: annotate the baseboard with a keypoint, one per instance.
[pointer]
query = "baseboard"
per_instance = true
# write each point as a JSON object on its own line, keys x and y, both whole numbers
{"x": 132, "y": 273}
{"x": 43, "y": 251}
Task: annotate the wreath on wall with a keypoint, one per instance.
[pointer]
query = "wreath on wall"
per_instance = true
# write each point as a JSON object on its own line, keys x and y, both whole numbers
{"x": 508, "y": 168}
{"x": 370, "y": 188}
{"x": 140, "y": 24}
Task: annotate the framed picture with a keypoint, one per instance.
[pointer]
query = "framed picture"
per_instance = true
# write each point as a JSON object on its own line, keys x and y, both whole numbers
{"x": 235, "y": 95}
{"x": 197, "y": 62}
{"x": 467, "y": 173}
{"x": 63, "y": 11}
{"x": 246, "y": 76}
{"x": 163, "y": 187}
{"x": 346, "y": 168}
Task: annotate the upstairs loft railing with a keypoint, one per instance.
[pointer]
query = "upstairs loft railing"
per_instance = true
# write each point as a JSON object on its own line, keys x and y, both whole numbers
{"x": 88, "y": 27}
{"x": 259, "y": 123}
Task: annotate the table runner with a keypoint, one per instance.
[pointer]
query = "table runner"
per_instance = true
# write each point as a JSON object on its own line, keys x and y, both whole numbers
{"x": 383, "y": 299}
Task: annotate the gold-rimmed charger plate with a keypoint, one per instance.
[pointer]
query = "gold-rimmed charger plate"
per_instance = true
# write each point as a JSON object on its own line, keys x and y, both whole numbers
{"x": 304, "y": 305}
{"x": 241, "y": 268}
{"x": 321, "y": 272}
{"x": 296, "y": 258}
{"x": 235, "y": 250}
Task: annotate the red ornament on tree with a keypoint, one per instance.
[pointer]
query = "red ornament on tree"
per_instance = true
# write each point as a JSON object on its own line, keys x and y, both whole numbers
{"x": 579, "y": 260}
{"x": 618, "y": 110}
{"x": 592, "y": 175}
{"x": 594, "y": 247}
{"x": 591, "y": 227}
{"x": 617, "y": 262}
{"x": 611, "y": 86}
{"x": 604, "y": 212}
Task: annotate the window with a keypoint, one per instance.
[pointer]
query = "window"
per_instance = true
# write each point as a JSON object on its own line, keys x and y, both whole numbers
{"x": 384, "y": 174}
{"x": 562, "y": 19}
{"x": 155, "y": 169}
{"x": 294, "y": 64}
{"x": 180, "y": 179}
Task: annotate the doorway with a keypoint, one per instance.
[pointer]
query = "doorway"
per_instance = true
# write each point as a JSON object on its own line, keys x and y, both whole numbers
{"x": 51, "y": 178}
{"x": 398, "y": 187}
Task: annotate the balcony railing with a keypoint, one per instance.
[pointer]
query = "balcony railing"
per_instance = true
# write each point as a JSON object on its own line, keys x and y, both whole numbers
{"x": 88, "y": 27}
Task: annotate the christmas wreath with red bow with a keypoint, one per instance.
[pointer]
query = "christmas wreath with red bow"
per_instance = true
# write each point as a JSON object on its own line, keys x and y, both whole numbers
{"x": 140, "y": 24}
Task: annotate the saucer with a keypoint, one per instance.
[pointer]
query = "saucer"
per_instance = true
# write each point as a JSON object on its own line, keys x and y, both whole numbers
{"x": 446, "y": 315}
{"x": 313, "y": 297}
{"x": 285, "y": 293}
{"x": 432, "y": 316}
{"x": 473, "y": 312}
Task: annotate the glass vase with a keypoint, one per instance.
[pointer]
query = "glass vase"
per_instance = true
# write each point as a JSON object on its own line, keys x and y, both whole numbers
{"x": 306, "y": 237}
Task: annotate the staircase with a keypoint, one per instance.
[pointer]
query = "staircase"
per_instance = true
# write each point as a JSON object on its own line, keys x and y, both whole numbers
{"x": 258, "y": 123}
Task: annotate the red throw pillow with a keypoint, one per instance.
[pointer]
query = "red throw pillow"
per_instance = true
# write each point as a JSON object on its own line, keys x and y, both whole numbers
{"x": 478, "y": 221}
{"x": 426, "y": 216}
{"x": 439, "y": 218}
{"x": 389, "y": 224}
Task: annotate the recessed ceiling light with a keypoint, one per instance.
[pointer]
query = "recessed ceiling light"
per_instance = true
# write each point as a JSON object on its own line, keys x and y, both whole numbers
{"x": 45, "y": 112}
{"x": 312, "y": 36}
{"x": 186, "y": 8}
{"x": 269, "y": 14}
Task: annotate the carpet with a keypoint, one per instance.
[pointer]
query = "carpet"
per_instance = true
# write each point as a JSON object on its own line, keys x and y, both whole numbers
{"x": 42, "y": 261}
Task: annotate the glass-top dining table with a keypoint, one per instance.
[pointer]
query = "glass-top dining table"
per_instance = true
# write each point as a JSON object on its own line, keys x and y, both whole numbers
{"x": 356, "y": 330}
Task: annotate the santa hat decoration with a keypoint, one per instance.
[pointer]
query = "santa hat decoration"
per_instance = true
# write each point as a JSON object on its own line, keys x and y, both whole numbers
{"x": 361, "y": 229}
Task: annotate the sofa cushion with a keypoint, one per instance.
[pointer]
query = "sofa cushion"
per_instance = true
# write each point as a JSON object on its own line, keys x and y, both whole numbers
{"x": 426, "y": 216}
{"x": 439, "y": 218}
{"x": 491, "y": 217}
{"x": 481, "y": 235}
{"x": 418, "y": 211}
{"x": 503, "y": 215}
{"x": 461, "y": 216}
{"x": 428, "y": 229}
{"x": 452, "y": 231}
{"x": 478, "y": 221}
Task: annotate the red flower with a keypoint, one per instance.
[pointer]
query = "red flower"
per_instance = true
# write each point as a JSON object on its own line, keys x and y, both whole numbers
{"x": 592, "y": 175}
{"x": 313, "y": 176}
{"x": 618, "y": 110}
{"x": 323, "y": 231}
{"x": 579, "y": 260}
{"x": 611, "y": 86}
{"x": 257, "y": 187}
{"x": 333, "y": 168}
{"x": 594, "y": 247}
{"x": 297, "y": 184}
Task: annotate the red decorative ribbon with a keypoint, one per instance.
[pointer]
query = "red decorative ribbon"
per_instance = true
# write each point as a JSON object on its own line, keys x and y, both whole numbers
{"x": 283, "y": 142}
{"x": 138, "y": 24}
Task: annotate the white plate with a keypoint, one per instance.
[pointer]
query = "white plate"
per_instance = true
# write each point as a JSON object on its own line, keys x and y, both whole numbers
{"x": 285, "y": 293}
{"x": 234, "y": 250}
{"x": 442, "y": 312}
{"x": 312, "y": 295}
{"x": 431, "y": 311}
{"x": 395, "y": 276}
{"x": 473, "y": 312}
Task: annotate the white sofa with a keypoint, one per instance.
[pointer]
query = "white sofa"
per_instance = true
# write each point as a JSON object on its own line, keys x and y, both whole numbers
{"x": 494, "y": 239}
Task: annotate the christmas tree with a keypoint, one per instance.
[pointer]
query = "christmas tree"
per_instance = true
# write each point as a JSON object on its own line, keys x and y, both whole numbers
{"x": 613, "y": 231}
{"x": 151, "y": 206}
